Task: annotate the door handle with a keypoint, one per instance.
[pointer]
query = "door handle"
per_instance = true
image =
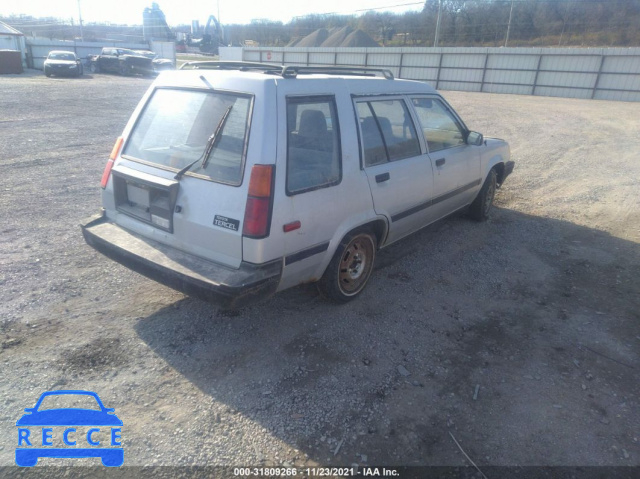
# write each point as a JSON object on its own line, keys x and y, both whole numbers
{"x": 440, "y": 162}
{"x": 382, "y": 177}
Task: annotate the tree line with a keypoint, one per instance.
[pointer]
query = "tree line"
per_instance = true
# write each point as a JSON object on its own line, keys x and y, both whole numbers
{"x": 472, "y": 23}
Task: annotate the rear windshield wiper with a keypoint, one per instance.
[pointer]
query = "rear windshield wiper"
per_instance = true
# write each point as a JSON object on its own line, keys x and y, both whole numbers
{"x": 215, "y": 137}
{"x": 211, "y": 142}
{"x": 180, "y": 173}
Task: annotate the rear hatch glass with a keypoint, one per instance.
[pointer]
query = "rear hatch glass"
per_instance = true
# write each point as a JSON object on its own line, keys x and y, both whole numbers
{"x": 207, "y": 128}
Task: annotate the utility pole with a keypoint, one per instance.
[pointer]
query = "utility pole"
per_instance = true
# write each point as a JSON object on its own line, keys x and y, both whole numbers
{"x": 506, "y": 40}
{"x": 435, "y": 42}
{"x": 80, "y": 18}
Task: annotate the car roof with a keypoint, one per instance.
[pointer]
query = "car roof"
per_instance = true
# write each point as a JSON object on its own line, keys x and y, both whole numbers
{"x": 60, "y": 51}
{"x": 257, "y": 81}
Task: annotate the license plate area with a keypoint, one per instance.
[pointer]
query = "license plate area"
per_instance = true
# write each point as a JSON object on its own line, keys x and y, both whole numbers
{"x": 146, "y": 200}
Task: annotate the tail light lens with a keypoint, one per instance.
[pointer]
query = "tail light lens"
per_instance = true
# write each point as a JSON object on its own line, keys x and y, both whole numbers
{"x": 257, "y": 213}
{"x": 112, "y": 158}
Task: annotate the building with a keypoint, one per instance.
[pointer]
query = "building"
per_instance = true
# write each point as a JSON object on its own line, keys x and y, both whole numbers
{"x": 11, "y": 40}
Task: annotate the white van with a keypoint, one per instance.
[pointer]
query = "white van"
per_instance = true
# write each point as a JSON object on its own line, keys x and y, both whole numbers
{"x": 233, "y": 181}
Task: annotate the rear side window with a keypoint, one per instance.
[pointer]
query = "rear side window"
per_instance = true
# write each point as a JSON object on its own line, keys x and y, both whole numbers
{"x": 388, "y": 132}
{"x": 313, "y": 144}
{"x": 179, "y": 127}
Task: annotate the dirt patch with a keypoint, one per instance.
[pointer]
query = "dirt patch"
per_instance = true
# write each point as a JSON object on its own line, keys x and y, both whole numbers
{"x": 98, "y": 356}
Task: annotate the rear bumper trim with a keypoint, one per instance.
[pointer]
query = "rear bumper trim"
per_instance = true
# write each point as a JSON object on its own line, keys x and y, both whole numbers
{"x": 227, "y": 287}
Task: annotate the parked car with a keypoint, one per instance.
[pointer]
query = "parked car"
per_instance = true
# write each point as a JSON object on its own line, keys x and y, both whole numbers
{"x": 122, "y": 61}
{"x": 232, "y": 181}
{"x": 159, "y": 64}
{"x": 62, "y": 63}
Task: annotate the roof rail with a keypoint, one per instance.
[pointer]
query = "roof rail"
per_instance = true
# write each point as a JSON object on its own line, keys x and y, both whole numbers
{"x": 289, "y": 71}
{"x": 242, "y": 66}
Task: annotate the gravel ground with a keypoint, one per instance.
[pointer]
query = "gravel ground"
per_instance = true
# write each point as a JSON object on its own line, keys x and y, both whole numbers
{"x": 520, "y": 336}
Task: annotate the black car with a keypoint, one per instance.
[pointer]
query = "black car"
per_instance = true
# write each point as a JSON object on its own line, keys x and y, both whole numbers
{"x": 62, "y": 63}
{"x": 122, "y": 61}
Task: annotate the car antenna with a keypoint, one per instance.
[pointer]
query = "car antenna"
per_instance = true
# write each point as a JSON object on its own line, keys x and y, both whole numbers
{"x": 206, "y": 82}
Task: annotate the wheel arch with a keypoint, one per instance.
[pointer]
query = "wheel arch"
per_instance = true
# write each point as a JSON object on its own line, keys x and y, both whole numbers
{"x": 379, "y": 226}
{"x": 496, "y": 163}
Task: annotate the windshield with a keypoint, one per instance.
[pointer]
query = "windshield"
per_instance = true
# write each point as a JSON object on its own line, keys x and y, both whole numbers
{"x": 62, "y": 56}
{"x": 66, "y": 401}
{"x": 176, "y": 125}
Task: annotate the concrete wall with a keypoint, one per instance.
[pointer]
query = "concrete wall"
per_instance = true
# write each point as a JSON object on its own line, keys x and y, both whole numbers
{"x": 600, "y": 73}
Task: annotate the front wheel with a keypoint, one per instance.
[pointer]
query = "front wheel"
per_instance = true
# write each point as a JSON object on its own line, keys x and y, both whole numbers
{"x": 481, "y": 206}
{"x": 47, "y": 73}
{"x": 124, "y": 70}
{"x": 94, "y": 68}
{"x": 350, "y": 268}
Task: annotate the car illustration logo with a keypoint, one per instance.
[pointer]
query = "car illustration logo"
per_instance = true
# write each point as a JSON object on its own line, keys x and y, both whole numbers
{"x": 44, "y": 428}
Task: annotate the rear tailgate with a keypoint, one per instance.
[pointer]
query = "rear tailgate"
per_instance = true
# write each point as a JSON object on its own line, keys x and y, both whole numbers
{"x": 180, "y": 178}
{"x": 196, "y": 216}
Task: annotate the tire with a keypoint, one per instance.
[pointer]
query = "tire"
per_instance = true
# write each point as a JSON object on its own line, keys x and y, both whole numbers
{"x": 94, "y": 68}
{"x": 80, "y": 71}
{"x": 124, "y": 71}
{"x": 47, "y": 73}
{"x": 481, "y": 206}
{"x": 350, "y": 268}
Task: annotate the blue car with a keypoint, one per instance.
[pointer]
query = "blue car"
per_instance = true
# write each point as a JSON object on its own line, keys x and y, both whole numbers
{"x": 111, "y": 457}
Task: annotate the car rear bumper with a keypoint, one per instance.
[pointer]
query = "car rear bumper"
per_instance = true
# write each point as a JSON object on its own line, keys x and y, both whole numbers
{"x": 227, "y": 287}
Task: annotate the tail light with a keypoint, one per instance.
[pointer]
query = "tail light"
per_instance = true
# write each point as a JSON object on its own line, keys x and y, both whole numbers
{"x": 257, "y": 213}
{"x": 112, "y": 159}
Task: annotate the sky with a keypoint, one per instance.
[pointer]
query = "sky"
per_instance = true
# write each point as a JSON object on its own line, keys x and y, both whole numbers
{"x": 182, "y": 12}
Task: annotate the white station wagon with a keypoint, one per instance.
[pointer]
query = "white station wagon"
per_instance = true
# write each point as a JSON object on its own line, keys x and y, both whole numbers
{"x": 233, "y": 180}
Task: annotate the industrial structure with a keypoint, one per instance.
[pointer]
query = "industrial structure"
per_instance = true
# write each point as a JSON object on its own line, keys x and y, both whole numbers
{"x": 154, "y": 25}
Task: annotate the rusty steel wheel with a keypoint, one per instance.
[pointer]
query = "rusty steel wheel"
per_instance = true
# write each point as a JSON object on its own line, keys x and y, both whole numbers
{"x": 349, "y": 270}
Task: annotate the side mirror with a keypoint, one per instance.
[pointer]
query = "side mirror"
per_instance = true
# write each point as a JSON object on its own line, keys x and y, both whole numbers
{"x": 474, "y": 138}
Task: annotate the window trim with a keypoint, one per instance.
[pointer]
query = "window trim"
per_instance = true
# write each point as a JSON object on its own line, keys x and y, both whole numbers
{"x": 245, "y": 146}
{"x": 404, "y": 97}
{"x": 456, "y": 118}
{"x": 335, "y": 125}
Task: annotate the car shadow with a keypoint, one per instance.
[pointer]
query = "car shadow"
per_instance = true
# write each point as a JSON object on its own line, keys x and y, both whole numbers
{"x": 386, "y": 378}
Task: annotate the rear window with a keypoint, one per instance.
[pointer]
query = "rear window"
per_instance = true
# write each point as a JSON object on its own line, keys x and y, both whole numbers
{"x": 178, "y": 127}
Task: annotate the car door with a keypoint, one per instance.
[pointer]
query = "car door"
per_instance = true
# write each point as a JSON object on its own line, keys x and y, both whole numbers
{"x": 106, "y": 60}
{"x": 456, "y": 165}
{"x": 398, "y": 170}
{"x": 317, "y": 180}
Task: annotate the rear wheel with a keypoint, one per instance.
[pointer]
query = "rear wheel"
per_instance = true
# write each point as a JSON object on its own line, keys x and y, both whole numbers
{"x": 350, "y": 268}
{"x": 481, "y": 206}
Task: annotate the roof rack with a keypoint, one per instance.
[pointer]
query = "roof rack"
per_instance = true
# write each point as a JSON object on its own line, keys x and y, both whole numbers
{"x": 289, "y": 71}
{"x": 242, "y": 66}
